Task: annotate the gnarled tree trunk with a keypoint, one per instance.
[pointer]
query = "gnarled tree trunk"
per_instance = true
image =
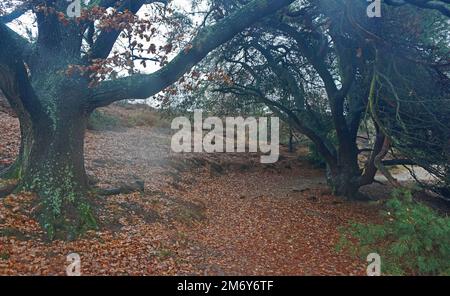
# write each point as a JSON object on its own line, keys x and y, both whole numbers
{"x": 51, "y": 158}
{"x": 344, "y": 181}
{"x": 52, "y": 165}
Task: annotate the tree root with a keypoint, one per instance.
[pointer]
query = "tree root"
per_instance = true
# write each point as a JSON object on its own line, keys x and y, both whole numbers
{"x": 7, "y": 187}
{"x": 124, "y": 188}
{"x": 10, "y": 172}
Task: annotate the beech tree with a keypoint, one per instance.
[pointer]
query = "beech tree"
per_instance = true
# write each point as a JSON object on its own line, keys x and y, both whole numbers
{"x": 54, "y": 82}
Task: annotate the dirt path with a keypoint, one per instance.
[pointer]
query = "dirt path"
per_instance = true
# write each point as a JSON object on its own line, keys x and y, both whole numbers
{"x": 199, "y": 214}
{"x": 270, "y": 222}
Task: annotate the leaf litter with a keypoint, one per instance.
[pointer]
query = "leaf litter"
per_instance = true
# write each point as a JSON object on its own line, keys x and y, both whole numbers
{"x": 200, "y": 214}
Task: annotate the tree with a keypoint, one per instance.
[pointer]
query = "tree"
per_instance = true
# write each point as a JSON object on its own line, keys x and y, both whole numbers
{"x": 305, "y": 68}
{"x": 54, "y": 83}
{"x": 411, "y": 95}
{"x": 314, "y": 68}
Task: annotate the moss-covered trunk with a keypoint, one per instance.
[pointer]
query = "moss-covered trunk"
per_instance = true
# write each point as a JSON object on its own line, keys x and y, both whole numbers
{"x": 51, "y": 164}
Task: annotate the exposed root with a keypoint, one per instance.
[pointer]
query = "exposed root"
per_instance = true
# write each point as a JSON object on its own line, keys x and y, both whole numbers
{"x": 124, "y": 188}
{"x": 11, "y": 172}
{"x": 7, "y": 187}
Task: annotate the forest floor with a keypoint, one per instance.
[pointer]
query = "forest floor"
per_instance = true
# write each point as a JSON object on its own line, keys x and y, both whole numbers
{"x": 200, "y": 214}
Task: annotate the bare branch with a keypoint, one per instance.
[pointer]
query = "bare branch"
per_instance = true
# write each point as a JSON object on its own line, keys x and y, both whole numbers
{"x": 209, "y": 38}
{"x": 14, "y": 81}
{"x": 107, "y": 38}
{"x": 15, "y": 14}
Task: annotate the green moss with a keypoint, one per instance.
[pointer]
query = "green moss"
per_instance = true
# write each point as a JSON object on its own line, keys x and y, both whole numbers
{"x": 102, "y": 121}
{"x": 14, "y": 172}
{"x": 64, "y": 212}
{"x": 4, "y": 256}
{"x": 87, "y": 217}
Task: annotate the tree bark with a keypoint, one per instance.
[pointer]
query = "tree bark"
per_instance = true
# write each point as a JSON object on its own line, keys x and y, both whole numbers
{"x": 344, "y": 178}
{"x": 344, "y": 181}
{"x": 52, "y": 165}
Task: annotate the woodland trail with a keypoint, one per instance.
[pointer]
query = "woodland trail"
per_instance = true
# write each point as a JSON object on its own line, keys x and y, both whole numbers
{"x": 199, "y": 214}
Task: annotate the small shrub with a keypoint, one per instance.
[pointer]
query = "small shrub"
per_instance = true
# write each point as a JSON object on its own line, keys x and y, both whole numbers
{"x": 103, "y": 121}
{"x": 314, "y": 157}
{"x": 143, "y": 118}
{"x": 126, "y": 116}
{"x": 414, "y": 239}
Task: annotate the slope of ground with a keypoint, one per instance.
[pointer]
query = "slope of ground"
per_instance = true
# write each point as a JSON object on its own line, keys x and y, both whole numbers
{"x": 199, "y": 214}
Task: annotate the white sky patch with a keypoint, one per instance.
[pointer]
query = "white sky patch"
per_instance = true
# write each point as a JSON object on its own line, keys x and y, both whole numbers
{"x": 25, "y": 25}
